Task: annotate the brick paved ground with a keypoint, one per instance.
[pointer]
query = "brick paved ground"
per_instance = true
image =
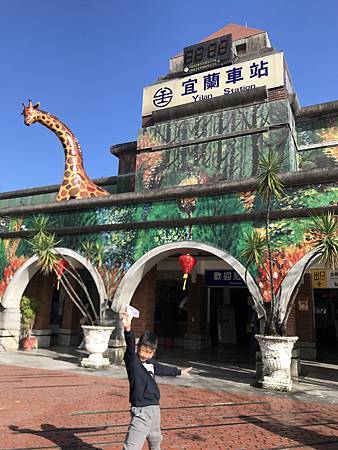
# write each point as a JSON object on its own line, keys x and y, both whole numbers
{"x": 42, "y": 409}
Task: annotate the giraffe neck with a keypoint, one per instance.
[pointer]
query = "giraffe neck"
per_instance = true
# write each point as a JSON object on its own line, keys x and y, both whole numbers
{"x": 69, "y": 142}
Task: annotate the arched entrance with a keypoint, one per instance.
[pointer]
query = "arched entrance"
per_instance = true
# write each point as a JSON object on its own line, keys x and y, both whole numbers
{"x": 316, "y": 307}
{"x": 10, "y": 318}
{"x": 131, "y": 280}
{"x": 154, "y": 285}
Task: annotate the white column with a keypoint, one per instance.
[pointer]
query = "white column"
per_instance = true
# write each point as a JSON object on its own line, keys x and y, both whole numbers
{"x": 9, "y": 329}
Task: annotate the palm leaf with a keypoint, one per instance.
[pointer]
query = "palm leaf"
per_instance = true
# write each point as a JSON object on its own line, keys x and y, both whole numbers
{"x": 43, "y": 245}
{"x": 269, "y": 182}
{"x": 255, "y": 245}
{"x": 324, "y": 238}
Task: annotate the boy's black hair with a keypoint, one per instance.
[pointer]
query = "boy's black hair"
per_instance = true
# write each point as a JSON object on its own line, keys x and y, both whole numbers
{"x": 149, "y": 340}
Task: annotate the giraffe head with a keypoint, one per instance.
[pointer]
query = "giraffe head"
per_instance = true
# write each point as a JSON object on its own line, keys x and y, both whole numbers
{"x": 30, "y": 112}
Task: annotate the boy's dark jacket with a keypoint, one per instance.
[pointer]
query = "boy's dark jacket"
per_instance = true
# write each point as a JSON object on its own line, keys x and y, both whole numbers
{"x": 143, "y": 388}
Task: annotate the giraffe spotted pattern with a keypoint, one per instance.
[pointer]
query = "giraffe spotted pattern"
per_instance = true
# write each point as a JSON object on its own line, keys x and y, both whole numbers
{"x": 76, "y": 183}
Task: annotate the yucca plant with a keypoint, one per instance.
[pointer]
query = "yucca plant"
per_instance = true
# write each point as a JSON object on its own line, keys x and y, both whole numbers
{"x": 322, "y": 235}
{"x": 44, "y": 246}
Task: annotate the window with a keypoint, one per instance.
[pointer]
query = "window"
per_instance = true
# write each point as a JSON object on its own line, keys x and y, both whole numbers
{"x": 241, "y": 49}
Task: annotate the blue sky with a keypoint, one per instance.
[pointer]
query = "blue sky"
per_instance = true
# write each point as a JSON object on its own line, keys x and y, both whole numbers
{"x": 87, "y": 62}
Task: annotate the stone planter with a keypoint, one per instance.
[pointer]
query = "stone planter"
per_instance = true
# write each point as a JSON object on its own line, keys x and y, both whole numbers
{"x": 96, "y": 342}
{"x": 276, "y": 358}
{"x": 29, "y": 343}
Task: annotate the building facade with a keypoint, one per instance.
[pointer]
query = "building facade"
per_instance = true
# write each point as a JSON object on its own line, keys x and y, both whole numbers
{"x": 187, "y": 185}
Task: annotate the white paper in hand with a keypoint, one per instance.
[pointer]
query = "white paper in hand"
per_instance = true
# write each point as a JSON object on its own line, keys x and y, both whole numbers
{"x": 133, "y": 312}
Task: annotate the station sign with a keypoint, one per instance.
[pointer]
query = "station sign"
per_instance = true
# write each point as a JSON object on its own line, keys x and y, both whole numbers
{"x": 265, "y": 71}
{"x": 324, "y": 278}
{"x": 221, "y": 278}
{"x": 319, "y": 278}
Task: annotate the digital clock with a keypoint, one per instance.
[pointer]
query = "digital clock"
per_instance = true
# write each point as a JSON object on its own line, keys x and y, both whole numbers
{"x": 208, "y": 55}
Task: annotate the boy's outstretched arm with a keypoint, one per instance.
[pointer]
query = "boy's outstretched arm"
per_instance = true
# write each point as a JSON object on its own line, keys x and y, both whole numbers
{"x": 169, "y": 371}
{"x": 186, "y": 371}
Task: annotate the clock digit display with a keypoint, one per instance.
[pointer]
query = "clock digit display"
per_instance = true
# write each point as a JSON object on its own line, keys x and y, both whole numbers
{"x": 188, "y": 57}
{"x": 208, "y": 55}
{"x": 199, "y": 53}
{"x": 212, "y": 50}
{"x": 223, "y": 47}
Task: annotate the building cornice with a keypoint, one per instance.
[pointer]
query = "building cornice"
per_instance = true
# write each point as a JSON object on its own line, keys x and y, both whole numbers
{"x": 318, "y": 111}
{"x": 103, "y": 181}
{"x": 290, "y": 179}
{"x": 178, "y": 222}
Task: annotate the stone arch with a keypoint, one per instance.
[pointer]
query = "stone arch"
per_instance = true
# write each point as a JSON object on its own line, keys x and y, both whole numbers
{"x": 25, "y": 273}
{"x": 141, "y": 267}
{"x": 291, "y": 280}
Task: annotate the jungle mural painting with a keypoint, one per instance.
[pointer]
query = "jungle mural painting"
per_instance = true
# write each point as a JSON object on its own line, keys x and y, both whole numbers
{"x": 10, "y": 262}
{"x": 204, "y": 148}
{"x": 122, "y": 248}
{"x": 221, "y": 160}
{"x": 216, "y": 124}
{"x": 319, "y": 131}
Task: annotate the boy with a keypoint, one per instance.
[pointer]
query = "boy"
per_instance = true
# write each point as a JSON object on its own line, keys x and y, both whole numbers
{"x": 144, "y": 393}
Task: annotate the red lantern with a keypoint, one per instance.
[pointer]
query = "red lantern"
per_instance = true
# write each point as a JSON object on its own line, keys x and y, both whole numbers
{"x": 59, "y": 267}
{"x": 187, "y": 263}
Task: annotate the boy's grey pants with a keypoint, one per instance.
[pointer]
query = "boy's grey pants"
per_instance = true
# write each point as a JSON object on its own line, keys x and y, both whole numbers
{"x": 145, "y": 424}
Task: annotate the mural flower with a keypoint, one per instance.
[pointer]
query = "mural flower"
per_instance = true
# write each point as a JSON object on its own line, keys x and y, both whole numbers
{"x": 9, "y": 271}
{"x": 12, "y": 262}
{"x": 247, "y": 199}
{"x": 282, "y": 261}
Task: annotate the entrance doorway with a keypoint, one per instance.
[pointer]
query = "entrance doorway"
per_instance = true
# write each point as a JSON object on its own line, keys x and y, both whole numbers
{"x": 233, "y": 322}
{"x": 170, "y": 312}
{"x": 222, "y": 317}
{"x": 57, "y": 320}
{"x": 326, "y": 319}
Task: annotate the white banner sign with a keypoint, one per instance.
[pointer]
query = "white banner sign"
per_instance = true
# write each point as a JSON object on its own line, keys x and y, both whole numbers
{"x": 265, "y": 71}
{"x": 333, "y": 279}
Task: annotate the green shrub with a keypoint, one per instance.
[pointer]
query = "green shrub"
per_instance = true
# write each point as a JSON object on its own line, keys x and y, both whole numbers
{"x": 28, "y": 309}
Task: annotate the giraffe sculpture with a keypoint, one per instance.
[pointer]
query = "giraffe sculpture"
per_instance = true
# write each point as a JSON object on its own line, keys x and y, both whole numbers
{"x": 76, "y": 183}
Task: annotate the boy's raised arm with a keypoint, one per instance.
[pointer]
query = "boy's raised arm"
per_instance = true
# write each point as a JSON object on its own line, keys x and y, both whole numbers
{"x": 129, "y": 337}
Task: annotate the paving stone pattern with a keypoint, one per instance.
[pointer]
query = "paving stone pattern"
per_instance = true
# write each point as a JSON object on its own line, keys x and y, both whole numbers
{"x": 43, "y": 409}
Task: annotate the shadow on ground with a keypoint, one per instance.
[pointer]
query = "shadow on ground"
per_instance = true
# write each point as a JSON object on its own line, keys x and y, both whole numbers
{"x": 64, "y": 438}
{"x": 209, "y": 366}
{"x": 300, "y": 434}
{"x": 318, "y": 371}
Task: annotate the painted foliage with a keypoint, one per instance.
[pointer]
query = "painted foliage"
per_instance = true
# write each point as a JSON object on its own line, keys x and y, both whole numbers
{"x": 125, "y": 246}
{"x": 223, "y": 145}
{"x": 10, "y": 259}
{"x": 314, "y": 132}
{"x": 216, "y": 124}
{"x": 221, "y": 160}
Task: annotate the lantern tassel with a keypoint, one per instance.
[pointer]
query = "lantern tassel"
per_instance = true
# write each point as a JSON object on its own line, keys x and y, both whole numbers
{"x": 58, "y": 284}
{"x": 185, "y": 277}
